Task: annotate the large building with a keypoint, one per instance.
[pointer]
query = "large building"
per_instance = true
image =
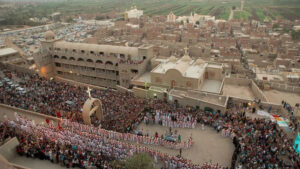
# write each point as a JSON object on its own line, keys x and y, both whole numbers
{"x": 101, "y": 65}
{"x": 8, "y": 55}
{"x": 134, "y": 13}
{"x": 186, "y": 73}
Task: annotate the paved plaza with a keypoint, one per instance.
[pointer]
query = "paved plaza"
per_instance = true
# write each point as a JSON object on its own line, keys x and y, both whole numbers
{"x": 208, "y": 144}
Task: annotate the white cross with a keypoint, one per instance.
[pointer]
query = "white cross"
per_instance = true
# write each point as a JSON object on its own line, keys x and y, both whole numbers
{"x": 186, "y": 50}
{"x": 89, "y": 92}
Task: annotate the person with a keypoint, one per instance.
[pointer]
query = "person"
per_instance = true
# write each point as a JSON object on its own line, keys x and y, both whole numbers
{"x": 179, "y": 138}
{"x": 180, "y": 152}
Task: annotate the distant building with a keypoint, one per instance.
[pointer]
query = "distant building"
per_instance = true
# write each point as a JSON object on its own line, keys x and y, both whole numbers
{"x": 171, "y": 17}
{"x": 8, "y": 55}
{"x": 134, "y": 13}
{"x": 100, "y": 65}
{"x": 194, "y": 17}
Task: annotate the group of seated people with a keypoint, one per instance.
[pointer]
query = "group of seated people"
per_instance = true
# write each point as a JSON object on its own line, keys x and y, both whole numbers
{"x": 258, "y": 142}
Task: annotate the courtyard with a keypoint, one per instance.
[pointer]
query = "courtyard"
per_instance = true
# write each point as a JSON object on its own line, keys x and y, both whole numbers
{"x": 208, "y": 145}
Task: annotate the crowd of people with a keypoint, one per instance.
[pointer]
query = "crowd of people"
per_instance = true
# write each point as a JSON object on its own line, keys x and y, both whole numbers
{"x": 121, "y": 110}
{"x": 258, "y": 142}
{"x": 74, "y": 144}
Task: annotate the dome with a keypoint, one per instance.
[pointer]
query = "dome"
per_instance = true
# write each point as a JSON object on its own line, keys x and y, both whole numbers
{"x": 199, "y": 62}
{"x": 186, "y": 58}
{"x": 49, "y": 35}
{"x": 172, "y": 59}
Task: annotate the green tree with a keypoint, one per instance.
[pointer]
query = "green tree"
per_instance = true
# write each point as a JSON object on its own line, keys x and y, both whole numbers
{"x": 275, "y": 26}
{"x": 99, "y": 18}
{"x": 69, "y": 20}
{"x": 197, "y": 22}
{"x": 139, "y": 161}
{"x": 233, "y": 7}
{"x": 295, "y": 35}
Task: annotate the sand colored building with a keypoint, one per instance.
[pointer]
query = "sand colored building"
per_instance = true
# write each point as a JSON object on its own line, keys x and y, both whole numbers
{"x": 101, "y": 65}
{"x": 186, "y": 73}
{"x": 134, "y": 13}
{"x": 171, "y": 17}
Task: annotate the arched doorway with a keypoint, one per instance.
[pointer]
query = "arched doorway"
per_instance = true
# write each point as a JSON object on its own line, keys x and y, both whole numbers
{"x": 173, "y": 83}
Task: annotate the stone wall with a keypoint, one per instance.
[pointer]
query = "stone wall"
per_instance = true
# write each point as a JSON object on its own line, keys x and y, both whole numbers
{"x": 17, "y": 68}
{"x": 37, "y": 117}
{"x": 123, "y": 89}
{"x": 139, "y": 92}
{"x": 285, "y": 87}
{"x": 238, "y": 81}
{"x": 8, "y": 150}
{"x": 257, "y": 92}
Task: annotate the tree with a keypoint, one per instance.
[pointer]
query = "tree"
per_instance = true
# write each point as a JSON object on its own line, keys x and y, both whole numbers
{"x": 233, "y": 7}
{"x": 69, "y": 20}
{"x": 99, "y": 17}
{"x": 197, "y": 22}
{"x": 275, "y": 26}
{"x": 295, "y": 35}
{"x": 139, "y": 161}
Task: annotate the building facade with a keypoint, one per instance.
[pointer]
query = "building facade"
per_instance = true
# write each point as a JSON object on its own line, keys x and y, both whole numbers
{"x": 100, "y": 65}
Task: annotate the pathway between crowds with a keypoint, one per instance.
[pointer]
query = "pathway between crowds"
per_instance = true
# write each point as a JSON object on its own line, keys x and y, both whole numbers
{"x": 208, "y": 144}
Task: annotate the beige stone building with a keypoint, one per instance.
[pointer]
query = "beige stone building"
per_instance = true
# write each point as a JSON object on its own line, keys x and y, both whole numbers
{"x": 8, "y": 55}
{"x": 101, "y": 65}
{"x": 186, "y": 73}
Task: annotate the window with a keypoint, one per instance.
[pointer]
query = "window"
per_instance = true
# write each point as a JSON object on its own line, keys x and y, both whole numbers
{"x": 101, "y": 53}
{"x": 82, "y": 51}
{"x": 55, "y": 56}
{"x": 144, "y": 57}
{"x": 188, "y": 84}
{"x": 72, "y": 58}
{"x": 99, "y": 61}
{"x": 80, "y": 59}
{"x": 134, "y": 71}
{"x": 57, "y": 64}
{"x": 74, "y": 50}
{"x": 122, "y": 56}
{"x": 90, "y": 60}
{"x": 109, "y": 63}
{"x": 63, "y": 57}
{"x": 92, "y": 52}
{"x": 158, "y": 80}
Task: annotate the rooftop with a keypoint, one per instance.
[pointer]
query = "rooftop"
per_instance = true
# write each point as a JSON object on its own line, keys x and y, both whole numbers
{"x": 7, "y": 51}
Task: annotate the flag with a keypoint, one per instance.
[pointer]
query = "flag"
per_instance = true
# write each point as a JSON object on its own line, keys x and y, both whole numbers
{"x": 59, "y": 127}
{"x": 47, "y": 121}
{"x": 58, "y": 114}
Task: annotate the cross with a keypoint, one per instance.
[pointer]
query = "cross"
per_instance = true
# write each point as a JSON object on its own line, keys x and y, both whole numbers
{"x": 186, "y": 50}
{"x": 89, "y": 92}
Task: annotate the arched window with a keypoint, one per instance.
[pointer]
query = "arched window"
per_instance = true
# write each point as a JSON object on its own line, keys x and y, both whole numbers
{"x": 99, "y": 61}
{"x": 63, "y": 57}
{"x": 90, "y": 60}
{"x": 82, "y": 51}
{"x": 134, "y": 71}
{"x": 92, "y": 52}
{"x": 72, "y": 58}
{"x": 117, "y": 64}
{"x": 55, "y": 56}
{"x": 109, "y": 63}
{"x": 80, "y": 59}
